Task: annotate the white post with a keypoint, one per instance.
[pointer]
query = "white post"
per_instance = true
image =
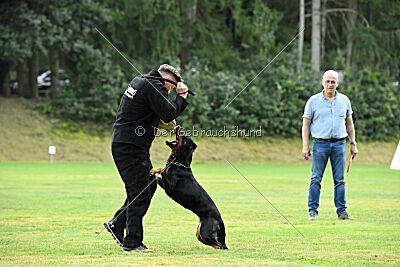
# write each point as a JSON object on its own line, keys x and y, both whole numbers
{"x": 52, "y": 151}
{"x": 396, "y": 159}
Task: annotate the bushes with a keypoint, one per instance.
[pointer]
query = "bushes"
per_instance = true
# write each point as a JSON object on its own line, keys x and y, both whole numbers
{"x": 274, "y": 100}
{"x": 376, "y": 104}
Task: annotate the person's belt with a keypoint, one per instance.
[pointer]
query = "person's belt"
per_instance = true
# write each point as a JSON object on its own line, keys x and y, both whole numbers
{"x": 331, "y": 139}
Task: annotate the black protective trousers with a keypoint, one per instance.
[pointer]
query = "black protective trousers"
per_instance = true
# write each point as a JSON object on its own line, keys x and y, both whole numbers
{"x": 134, "y": 168}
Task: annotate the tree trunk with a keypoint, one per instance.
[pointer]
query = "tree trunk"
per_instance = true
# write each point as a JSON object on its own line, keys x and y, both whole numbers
{"x": 33, "y": 73}
{"x": 323, "y": 28}
{"x": 54, "y": 66}
{"x": 23, "y": 79}
{"x": 301, "y": 35}
{"x": 370, "y": 62}
{"x": 350, "y": 36}
{"x": 316, "y": 34}
{"x": 190, "y": 17}
{"x": 5, "y": 78}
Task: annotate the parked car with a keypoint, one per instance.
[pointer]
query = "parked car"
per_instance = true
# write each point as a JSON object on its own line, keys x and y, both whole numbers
{"x": 44, "y": 82}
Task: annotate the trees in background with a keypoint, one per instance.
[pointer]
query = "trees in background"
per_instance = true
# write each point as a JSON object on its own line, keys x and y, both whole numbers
{"x": 352, "y": 19}
{"x": 34, "y": 29}
{"x": 301, "y": 35}
{"x": 356, "y": 34}
{"x": 316, "y": 34}
{"x": 22, "y": 33}
{"x": 220, "y": 47}
{"x": 219, "y": 34}
{"x": 215, "y": 33}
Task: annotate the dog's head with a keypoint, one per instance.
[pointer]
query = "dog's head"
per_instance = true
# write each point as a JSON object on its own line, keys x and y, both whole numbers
{"x": 183, "y": 144}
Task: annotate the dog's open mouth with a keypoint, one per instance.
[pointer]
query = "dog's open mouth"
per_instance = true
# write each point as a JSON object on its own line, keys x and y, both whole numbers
{"x": 174, "y": 143}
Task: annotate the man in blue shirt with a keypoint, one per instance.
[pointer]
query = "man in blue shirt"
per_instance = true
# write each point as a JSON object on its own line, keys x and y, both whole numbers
{"x": 328, "y": 116}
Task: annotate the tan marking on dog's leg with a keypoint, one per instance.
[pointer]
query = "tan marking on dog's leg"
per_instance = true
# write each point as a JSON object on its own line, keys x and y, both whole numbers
{"x": 201, "y": 239}
{"x": 198, "y": 233}
{"x": 199, "y": 236}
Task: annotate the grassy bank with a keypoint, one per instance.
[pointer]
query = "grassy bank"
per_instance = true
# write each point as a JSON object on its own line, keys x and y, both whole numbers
{"x": 25, "y": 136}
{"x": 51, "y": 214}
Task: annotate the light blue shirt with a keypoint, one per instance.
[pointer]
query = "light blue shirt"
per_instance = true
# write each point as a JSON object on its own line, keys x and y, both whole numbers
{"x": 328, "y": 120}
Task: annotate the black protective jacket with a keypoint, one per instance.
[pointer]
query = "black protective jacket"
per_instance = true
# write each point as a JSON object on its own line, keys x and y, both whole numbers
{"x": 140, "y": 110}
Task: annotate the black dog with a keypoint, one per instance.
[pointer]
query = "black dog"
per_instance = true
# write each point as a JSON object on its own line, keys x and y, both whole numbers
{"x": 180, "y": 185}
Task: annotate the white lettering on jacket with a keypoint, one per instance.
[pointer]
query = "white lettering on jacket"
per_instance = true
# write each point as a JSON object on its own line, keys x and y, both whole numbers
{"x": 130, "y": 92}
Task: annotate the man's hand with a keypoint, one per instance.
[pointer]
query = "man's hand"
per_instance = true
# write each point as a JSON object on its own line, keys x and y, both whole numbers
{"x": 305, "y": 152}
{"x": 182, "y": 89}
{"x": 155, "y": 171}
{"x": 353, "y": 150}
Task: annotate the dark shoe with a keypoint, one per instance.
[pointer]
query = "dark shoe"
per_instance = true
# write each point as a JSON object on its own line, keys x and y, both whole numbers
{"x": 344, "y": 216}
{"x": 312, "y": 216}
{"x": 116, "y": 232}
{"x": 141, "y": 248}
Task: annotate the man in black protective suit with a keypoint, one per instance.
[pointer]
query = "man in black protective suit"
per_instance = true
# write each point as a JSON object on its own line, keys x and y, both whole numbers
{"x": 143, "y": 104}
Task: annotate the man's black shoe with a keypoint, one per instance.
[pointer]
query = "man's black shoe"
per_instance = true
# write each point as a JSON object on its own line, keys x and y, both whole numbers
{"x": 141, "y": 248}
{"x": 116, "y": 232}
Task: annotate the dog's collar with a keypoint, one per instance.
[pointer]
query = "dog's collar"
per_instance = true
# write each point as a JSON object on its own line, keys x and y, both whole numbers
{"x": 180, "y": 165}
{"x": 172, "y": 159}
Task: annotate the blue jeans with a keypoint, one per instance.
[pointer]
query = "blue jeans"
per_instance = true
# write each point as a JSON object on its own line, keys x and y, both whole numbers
{"x": 336, "y": 151}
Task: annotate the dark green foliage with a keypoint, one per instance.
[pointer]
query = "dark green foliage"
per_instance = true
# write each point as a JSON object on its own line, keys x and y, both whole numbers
{"x": 376, "y": 104}
{"x": 275, "y": 100}
{"x": 21, "y": 30}
{"x": 222, "y": 47}
{"x": 216, "y": 33}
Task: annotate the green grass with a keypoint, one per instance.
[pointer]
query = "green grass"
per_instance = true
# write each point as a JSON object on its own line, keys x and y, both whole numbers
{"x": 50, "y": 214}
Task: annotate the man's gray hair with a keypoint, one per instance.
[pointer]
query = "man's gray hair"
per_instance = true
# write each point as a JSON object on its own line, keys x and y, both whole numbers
{"x": 171, "y": 71}
{"x": 334, "y": 73}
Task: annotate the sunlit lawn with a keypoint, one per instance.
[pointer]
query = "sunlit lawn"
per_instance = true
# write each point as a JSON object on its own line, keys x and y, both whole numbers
{"x": 50, "y": 214}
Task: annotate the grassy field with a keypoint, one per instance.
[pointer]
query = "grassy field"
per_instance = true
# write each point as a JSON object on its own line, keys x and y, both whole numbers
{"x": 50, "y": 214}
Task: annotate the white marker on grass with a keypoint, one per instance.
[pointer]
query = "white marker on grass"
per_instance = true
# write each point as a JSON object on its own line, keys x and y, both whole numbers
{"x": 52, "y": 152}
